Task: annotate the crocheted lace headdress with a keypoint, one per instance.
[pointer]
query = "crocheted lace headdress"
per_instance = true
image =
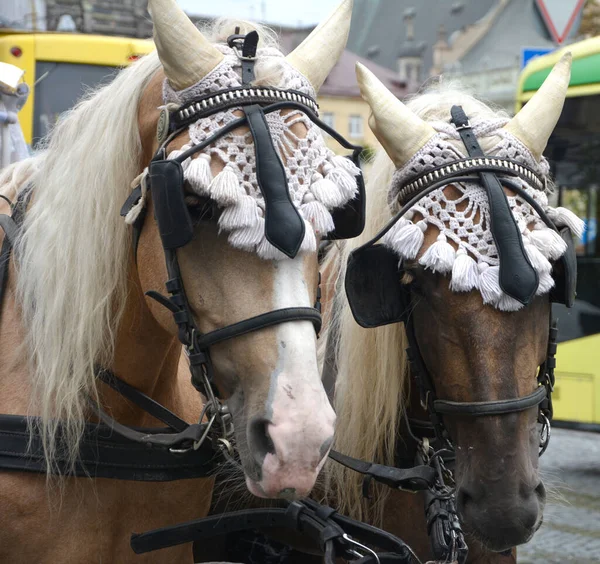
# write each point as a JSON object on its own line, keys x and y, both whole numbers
{"x": 472, "y": 261}
{"x": 318, "y": 180}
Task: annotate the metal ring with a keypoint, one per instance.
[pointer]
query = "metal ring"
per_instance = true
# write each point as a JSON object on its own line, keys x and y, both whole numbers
{"x": 545, "y": 433}
{"x": 366, "y": 549}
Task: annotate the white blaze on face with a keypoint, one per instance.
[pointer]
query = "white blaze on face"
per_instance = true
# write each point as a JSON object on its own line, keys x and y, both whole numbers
{"x": 301, "y": 417}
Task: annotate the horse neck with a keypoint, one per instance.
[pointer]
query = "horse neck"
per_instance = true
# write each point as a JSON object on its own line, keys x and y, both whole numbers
{"x": 146, "y": 357}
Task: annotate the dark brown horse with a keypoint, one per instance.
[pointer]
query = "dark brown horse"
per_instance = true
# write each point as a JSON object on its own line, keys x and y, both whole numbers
{"x": 476, "y": 343}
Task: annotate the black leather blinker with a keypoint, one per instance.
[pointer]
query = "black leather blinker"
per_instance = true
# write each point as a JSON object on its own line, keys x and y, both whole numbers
{"x": 171, "y": 213}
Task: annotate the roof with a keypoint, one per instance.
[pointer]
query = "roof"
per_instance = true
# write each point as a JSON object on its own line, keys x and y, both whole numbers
{"x": 342, "y": 79}
{"x": 516, "y": 26}
{"x": 378, "y": 27}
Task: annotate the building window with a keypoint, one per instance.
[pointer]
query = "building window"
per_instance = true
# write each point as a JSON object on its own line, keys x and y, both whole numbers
{"x": 356, "y": 126}
{"x": 328, "y": 119}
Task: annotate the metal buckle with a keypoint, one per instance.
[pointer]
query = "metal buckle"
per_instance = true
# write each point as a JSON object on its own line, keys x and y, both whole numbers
{"x": 465, "y": 126}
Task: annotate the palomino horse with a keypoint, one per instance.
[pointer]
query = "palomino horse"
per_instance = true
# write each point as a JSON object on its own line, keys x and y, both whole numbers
{"x": 75, "y": 305}
{"x": 447, "y": 269}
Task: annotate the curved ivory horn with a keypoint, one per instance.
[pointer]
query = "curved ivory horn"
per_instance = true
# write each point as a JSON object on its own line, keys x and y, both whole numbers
{"x": 534, "y": 124}
{"x": 316, "y": 56}
{"x": 397, "y": 128}
{"x": 186, "y": 55}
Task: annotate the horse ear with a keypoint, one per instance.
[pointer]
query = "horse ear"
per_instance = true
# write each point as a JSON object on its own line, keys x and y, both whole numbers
{"x": 534, "y": 124}
{"x": 397, "y": 128}
{"x": 186, "y": 55}
{"x": 316, "y": 56}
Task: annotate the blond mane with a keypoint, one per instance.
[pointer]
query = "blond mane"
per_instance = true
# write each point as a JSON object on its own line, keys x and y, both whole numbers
{"x": 371, "y": 367}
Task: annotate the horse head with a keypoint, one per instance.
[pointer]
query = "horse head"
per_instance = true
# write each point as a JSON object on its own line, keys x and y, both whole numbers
{"x": 470, "y": 264}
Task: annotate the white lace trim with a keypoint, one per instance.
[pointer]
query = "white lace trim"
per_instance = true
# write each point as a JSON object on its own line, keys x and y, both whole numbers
{"x": 462, "y": 218}
{"x": 318, "y": 180}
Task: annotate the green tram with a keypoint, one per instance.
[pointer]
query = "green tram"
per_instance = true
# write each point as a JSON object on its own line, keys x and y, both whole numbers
{"x": 574, "y": 154}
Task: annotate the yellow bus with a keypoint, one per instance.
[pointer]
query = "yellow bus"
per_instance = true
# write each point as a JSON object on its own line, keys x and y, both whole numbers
{"x": 60, "y": 67}
{"x": 574, "y": 155}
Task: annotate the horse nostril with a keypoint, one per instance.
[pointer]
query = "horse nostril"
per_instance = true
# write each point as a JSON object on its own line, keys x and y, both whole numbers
{"x": 540, "y": 491}
{"x": 259, "y": 440}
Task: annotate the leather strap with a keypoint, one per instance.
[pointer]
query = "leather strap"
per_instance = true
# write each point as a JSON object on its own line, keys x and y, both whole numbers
{"x": 518, "y": 278}
{"x": 260, "y": 322}
{"x": 143, "y": 401}
{"x": 284, "y": 227}
{"x": 322, "y": 524}
{"x": 496, "y": 407}
{"x": 414, "y": 479}
{"x": 249, "y": 57}
{"x": 103, "y": 454}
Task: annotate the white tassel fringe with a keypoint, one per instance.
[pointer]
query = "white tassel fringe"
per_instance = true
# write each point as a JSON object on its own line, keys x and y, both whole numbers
{"x": 225, "y": 188}
{"x": 564, "y": 217}
{"x": 244, "y": 213}
{"x": 489, "y": 283}
{"x": 538, "y": 260}
{"x": 548, "y": 242}
{"x": 199, "y": 175}
{"x": 439, "y": 257}
{"x": 342, "y": 162}
{"x": 406, "y": 238}
{"x": 328, "y": 193}
{"x": 343, "y": 180}
{"x": 248, "y": 238}
{"x": 317, "y": 214}
{"x": 465, "y": 274}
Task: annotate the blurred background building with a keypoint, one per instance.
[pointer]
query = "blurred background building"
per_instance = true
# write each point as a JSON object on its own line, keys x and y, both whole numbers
{"x": 480, "y": 42}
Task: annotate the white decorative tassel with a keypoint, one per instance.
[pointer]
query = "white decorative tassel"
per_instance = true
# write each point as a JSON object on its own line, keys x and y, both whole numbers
{"x": 309, "y": 243}
{"x": 248, "y": 238}
{"x": 440, "y": 256}
{"x": 343, "y": 180}
{"x": 330, "y": 195}
{"x": 199, "y": 175}
{"x": 345, "y": 163}
{"x": 566, "y": 218}
{"x": 465, "y": 274}
{"x": 406, "y": 238}
{"x": 317, "y": 214}
{"x": 506, "y": 303}
{"x": 244, "y": 213}
{"x": 225, "y": 188}
{"x": 177, "y": 152}
{"x": 546, "y": 283}
{"x": 548, "y": 242}
{"x": 266, "y": 251}
{"x": 489, "y": 283}
{"x": 537, "y": 259}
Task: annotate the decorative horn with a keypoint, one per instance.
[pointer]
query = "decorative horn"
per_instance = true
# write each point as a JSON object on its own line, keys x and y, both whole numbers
{"x": 534, "y": 124}
{"x": 186, "y": 55}
{"x": 316, "y": 56}
{"x": 398, "y": 129}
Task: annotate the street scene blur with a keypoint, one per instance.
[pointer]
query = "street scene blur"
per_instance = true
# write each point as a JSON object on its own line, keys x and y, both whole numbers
{"x": 53, "y": 52}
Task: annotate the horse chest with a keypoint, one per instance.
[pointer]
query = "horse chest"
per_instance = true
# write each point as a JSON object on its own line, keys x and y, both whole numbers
{"x": 93, "y": 520}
